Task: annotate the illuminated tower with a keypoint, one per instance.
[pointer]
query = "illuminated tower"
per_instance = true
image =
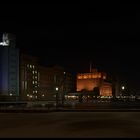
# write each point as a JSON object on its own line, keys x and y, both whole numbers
{"x": 9, "y": 66}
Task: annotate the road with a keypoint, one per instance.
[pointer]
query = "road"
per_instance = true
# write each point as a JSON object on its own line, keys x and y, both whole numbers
{"x": 70, "y": 125}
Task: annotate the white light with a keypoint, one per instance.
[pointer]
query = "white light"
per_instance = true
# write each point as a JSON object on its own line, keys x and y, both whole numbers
{"x": 28, "y": 95}
{"x": 122, "y": 87}
{"x": 56, "y": 88}
{"x": 11, "y": 94}
{"x": 42, "y": 95}
{"x": 4, "y": 44}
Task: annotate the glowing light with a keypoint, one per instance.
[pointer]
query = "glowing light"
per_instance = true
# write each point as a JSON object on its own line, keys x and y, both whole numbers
{"x": 4, "y": 44}
{"x": 123, "y": 87}
{"x": 56, "y": 88}
{"x": 31, "y": 96}
{"x": 11, "y": 94}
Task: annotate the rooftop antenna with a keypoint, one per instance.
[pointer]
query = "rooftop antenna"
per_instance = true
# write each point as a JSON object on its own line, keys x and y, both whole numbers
{"x": 90, "y": 66}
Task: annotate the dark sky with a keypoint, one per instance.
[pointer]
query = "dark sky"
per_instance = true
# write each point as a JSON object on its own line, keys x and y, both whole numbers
{"x": 75, "y": 34}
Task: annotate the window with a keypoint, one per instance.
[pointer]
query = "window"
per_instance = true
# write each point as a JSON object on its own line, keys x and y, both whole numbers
{"x": 38, "y": 75}
{"x": 30, "y": 66}
{"x": 33, "y": 82}
{"x": 27, "y": 65}
{"x": 33, "y": 66}
{"x": 33, "y": 72}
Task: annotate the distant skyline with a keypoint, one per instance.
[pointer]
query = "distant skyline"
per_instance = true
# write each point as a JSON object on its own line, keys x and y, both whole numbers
{"x": 74, "y": 35}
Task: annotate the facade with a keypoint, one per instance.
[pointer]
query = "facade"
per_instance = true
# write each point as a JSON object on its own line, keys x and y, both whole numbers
{"x": 52, "y": 78}
{"x": 88, "y": 81}
{"x": 40, "y": 82}
{"x": 29, "y": 77}
{"x": 9, "y": 67}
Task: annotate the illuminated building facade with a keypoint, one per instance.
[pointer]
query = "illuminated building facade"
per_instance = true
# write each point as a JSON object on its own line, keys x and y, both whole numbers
{"x": 29, "y": 77}
{"x": 88, "y": 81}
{"x": 9, "y": 66}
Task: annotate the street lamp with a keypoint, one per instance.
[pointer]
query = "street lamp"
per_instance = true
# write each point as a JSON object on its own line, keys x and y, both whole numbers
{"x": 123, "y": 87}
{"x": 56, "y": 88}
{"x": 63, "y": 94}
{"x": 56, "y": 96}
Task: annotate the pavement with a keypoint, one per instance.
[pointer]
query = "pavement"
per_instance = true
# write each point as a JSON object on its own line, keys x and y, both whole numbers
{"x": 70, "y": 125}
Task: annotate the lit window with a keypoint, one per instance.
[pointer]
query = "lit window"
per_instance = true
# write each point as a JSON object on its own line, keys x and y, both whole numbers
{"x": 36, "y": 71}
{"x": 27, "y": 65}
{"x": 36, "y": 91}
{"x": 42, "y": 95}
{"x": 33, "y": 66}
{"x": 38, "y": 76}
{"x": 31, "y": 96}
{"x": 79, "y": 77}
{"x": 35, "y": 77}
{"x": 85, "y": 77}
{"x": 89, "y": 76}
{"x": 33, "y": 72}
{"x": 36, "y": 97}
{"x": 27, "y": 95}
{"x": 104, "y": 77}
{"x": 30, "y": 66}
{"x": 33, "y": 82}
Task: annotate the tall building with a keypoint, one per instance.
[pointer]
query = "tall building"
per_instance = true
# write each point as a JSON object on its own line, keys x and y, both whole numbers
{"x": 88, "y": 81}
{"x": 29, "y": 77}
{"x": 9, "y": 66}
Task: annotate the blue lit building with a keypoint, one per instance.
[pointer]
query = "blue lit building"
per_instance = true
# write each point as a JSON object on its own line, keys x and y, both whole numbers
{"x": 9, "y": 66}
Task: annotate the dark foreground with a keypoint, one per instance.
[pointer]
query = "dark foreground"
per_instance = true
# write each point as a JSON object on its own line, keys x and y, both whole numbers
{"x": 70, "y": 125}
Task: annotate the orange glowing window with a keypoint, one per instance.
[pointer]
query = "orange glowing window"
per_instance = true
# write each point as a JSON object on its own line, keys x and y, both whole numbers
{"x": 85, "y": 77}
{"x": 79, "y": 77}
{"x": 93, "y": 76}
{"x": 89, "y": 76}
{"x": 99, "y": 75}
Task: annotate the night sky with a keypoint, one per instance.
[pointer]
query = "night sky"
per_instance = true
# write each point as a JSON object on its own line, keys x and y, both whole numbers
{"x": 75, "y": 34}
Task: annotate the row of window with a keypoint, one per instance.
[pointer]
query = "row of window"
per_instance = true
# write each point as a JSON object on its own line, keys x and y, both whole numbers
{"x": 30, "y": 66}
{"x": 34, "y": 82}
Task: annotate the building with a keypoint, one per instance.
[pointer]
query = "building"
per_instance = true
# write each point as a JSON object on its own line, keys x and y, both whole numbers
{"x": 29, "y": 77}
{"x": 88, "y": 81}
{"x": 53, "y": 79}
{"x": 9, "y": 67}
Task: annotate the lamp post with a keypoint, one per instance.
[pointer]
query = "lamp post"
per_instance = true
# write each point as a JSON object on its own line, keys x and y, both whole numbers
{"x": 56, "y": 96}
{"x": 63, "y": 94}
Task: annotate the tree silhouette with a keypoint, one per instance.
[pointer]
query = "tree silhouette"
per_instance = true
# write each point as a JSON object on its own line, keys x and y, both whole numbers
{"x": 96, "y": 91}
